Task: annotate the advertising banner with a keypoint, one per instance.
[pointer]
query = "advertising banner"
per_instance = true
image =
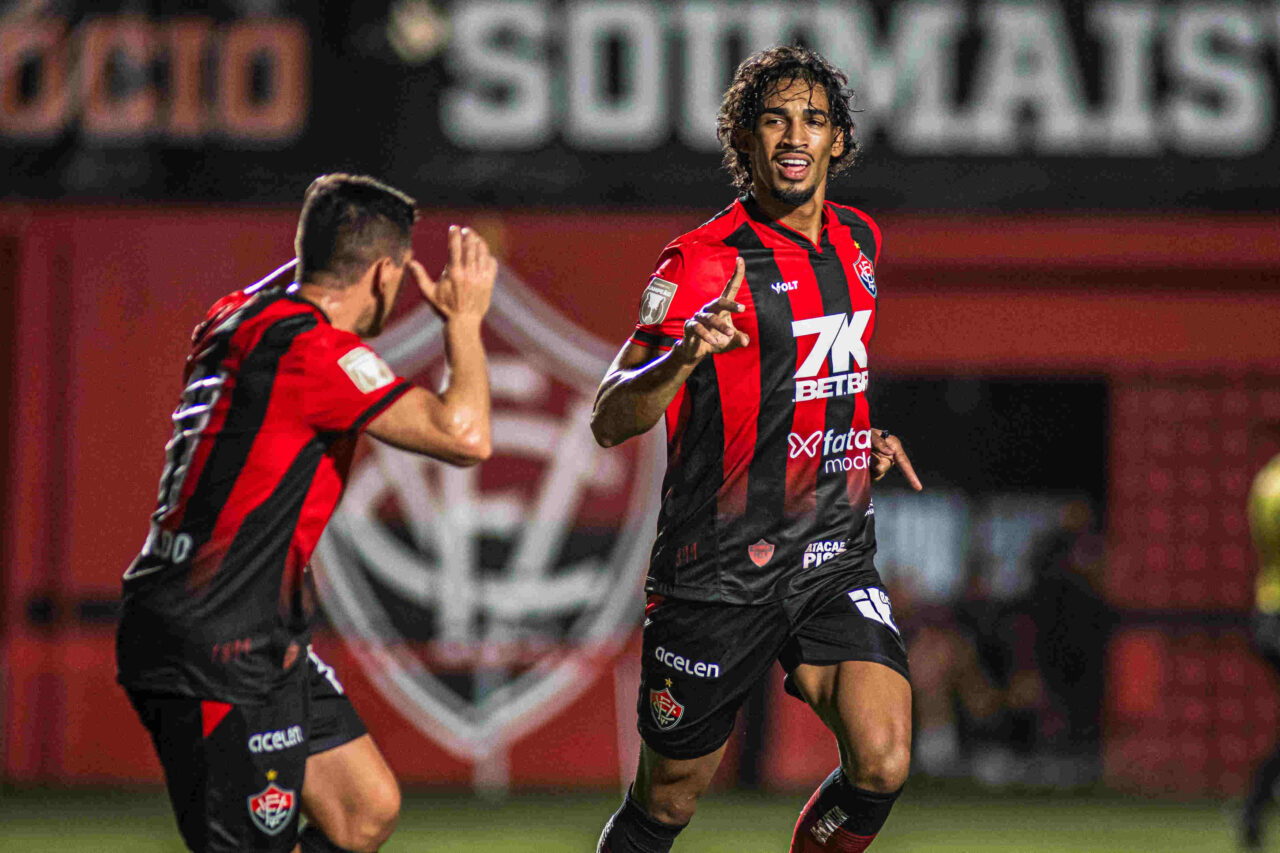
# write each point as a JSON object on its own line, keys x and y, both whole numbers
{"x": 962, "y": 105}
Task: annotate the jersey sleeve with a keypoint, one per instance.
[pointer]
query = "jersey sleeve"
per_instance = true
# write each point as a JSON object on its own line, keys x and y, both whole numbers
{"x": 686, "y": 278}
{"x": 340, "y": 384}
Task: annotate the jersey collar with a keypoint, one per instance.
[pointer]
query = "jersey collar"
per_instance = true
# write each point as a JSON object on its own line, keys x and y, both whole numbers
{"x": 757, "y": 214}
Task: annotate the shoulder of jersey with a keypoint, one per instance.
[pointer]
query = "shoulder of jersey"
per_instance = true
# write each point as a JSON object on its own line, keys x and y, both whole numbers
{"x": 708, "y": 238}
{"x": 856, "y": 218}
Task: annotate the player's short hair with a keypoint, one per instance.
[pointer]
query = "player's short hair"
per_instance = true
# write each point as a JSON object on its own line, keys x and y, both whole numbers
{"x": 347, "y": 223}
{"x": 767, "y": 73}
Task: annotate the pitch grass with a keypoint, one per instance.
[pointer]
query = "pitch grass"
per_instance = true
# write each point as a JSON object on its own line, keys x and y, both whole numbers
{"x": 929, "y": 818}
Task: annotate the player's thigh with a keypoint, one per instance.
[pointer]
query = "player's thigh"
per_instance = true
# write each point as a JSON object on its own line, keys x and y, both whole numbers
{"x": 699, "y": 661}
{"x": 350, "y": 790}
{"x": 849, "y": 663}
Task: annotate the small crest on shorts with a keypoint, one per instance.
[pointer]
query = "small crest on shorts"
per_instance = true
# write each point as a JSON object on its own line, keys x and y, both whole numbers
{"x": 273, "y": 807}
{"x": 866, "y": 272}
{"x": 760, "y": 553}
{"x": 656, "y": 300}
{"x": 667, "y": 711}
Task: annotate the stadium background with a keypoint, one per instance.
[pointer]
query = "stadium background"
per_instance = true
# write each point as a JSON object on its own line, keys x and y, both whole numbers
{"x": 1080, "y": 294}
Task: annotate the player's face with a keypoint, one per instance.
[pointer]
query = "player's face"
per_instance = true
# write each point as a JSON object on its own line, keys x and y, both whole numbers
{"x": 793, "y": 142}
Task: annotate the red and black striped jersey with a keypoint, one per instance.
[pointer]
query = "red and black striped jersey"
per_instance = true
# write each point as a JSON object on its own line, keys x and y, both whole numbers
{"x": 767, "y": 491}
{"x": 218, "y": 603}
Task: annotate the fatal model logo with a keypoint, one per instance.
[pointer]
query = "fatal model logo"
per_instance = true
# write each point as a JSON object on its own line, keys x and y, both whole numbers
{"x": 480, "y": 601}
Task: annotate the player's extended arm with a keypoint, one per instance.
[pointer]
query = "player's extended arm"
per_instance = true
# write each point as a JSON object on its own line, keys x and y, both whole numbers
{"x": 452, "y": 425}
{"x": 641, "y": 383}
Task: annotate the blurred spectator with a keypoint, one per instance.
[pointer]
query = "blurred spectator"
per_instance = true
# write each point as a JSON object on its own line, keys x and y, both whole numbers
{"x": 1264, "y": 524}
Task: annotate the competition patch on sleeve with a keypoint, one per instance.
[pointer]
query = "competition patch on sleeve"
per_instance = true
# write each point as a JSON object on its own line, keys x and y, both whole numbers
{"x": 369, "y": 372}
{"x": 656, "y": 300}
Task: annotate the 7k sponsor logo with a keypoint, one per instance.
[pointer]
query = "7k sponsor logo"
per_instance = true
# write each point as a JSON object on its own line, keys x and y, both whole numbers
{"x": 840, "y": 340}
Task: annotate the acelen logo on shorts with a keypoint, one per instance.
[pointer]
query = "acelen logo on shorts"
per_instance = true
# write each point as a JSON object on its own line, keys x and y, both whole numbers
{"x": 833, "y": 443}
{"x": 276, "y": 741}
{"x": 840, "y": 338}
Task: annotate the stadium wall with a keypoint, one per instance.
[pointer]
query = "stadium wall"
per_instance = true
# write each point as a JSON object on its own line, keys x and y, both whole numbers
{"x": 1177, "y": 314}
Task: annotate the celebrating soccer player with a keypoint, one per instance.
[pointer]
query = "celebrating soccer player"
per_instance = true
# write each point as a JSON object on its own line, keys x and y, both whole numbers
{"x": 752, "y": 340}
{"x": 251, "y": 726}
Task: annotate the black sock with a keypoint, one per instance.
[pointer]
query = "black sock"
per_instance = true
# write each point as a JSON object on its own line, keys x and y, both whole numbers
{"x": 315, "y": 841}
{"x": 859, "y": 811}
{"x": 632, "y": 830}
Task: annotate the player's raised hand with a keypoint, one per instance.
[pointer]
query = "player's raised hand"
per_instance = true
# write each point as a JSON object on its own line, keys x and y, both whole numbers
{"x": 466, "y": 284}
{"x": 886, "y": 451}
{"x": 711, "y": 330}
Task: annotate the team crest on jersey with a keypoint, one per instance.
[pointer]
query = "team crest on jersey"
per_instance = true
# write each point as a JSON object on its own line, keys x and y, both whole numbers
{"x": 481, "y": 601}
{"x": 866, "y": 272}
{"x": 760, "y": 553}
{"x": 666, "y": 709}
{"x": 273, "y": 807}
{"x": 656, "y": 301}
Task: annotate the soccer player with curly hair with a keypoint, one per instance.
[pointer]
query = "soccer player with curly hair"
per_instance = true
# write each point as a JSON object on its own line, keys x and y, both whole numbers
{"x": 752, "y": 341}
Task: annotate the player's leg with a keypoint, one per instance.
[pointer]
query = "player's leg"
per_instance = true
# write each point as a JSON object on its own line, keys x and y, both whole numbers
{"x": 698, "y": 663}
{"x": 350, "y": 796}
{"x": 1266, "y": 635}
{"x": 848, "y": 663}
{"x": 660, "y": 803}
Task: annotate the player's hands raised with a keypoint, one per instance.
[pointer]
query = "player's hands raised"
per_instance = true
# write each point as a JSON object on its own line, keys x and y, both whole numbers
{"x": 466, "y": 285}
{"x": 886, "y": 451}
{"x": 711, "y": 330}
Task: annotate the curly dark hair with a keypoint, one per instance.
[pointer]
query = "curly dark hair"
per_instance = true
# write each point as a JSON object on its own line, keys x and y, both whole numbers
{"x": 767, "y": 73}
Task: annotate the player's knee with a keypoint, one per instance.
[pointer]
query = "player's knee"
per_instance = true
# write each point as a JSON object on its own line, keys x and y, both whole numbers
{"x": 674, "y": 807}
{"x": 882, "y": 764}
{"x": 369, "y": 824}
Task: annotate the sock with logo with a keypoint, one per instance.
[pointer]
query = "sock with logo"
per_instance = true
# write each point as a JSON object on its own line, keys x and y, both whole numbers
{"x": 840, "y": 818}
{"x": 632, "y": 830}
{"x": 312, "y": 840}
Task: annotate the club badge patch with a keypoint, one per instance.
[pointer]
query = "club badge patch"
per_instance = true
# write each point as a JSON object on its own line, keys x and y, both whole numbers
{"x": 273, "y": 806}
{"x": 866, "y": 273}
{"x": 667, "y": 711}
{"x": 760, "y": 553}
{"x": 656, "y": 300}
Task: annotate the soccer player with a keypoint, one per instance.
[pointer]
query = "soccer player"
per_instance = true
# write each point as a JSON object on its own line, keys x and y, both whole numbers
{"x": 213, "y": 646}
{"x": 752, "y": 340}
{"x": 1264, "y": 523}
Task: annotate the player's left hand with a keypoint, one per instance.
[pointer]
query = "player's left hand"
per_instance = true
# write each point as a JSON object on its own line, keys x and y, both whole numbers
{"x": 886, "y": 451}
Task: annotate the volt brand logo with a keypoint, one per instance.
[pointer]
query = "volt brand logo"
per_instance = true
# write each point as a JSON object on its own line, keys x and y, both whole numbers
{"x": 873, "y": 603}
{"x": 784, "y": 286}
{"x": 840, "y": 340}
{"x": 276, "y": 741}
{"x": 680, "y": 663}
{"x": 836, "y": 444}
{"x": 817, "y": 553}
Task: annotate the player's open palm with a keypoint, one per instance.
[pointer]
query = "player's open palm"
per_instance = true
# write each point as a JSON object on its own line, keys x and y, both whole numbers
{"x": 711, "y": 330}
{"x": 466, "y": 285}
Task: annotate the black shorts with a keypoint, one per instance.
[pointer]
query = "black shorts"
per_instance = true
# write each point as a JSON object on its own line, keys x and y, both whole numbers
{"x": 234, "y": 772}
{"x": 702, "y": 659}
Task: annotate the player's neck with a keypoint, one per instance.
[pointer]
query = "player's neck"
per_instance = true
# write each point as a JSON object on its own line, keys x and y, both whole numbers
{"x": 343, "y": 311}
{"x": 805, "y": 218}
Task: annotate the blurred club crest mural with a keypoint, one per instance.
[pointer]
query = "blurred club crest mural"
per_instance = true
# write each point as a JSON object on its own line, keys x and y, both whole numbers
{"x": 481, "y": 601}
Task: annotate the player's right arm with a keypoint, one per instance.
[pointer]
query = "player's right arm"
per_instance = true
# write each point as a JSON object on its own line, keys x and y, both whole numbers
{"x": 642, "y": 381}
{"x": 454, "y": 424}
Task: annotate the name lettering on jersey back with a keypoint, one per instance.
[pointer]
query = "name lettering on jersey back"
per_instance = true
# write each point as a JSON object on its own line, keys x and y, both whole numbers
{"x": 840, "y": 341}
{"x": 369, "y": 372}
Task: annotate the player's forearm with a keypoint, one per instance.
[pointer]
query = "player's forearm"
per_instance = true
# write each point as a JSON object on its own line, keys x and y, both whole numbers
{"x": 631, "y": 401}
{"x": 465, "y": 412}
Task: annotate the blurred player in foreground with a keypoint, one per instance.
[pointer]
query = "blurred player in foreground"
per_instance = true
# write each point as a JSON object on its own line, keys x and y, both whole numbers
{"x": 1264, "y": 523}
{"x": 752, "y": 341}
{"x": 213, "y": 647}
